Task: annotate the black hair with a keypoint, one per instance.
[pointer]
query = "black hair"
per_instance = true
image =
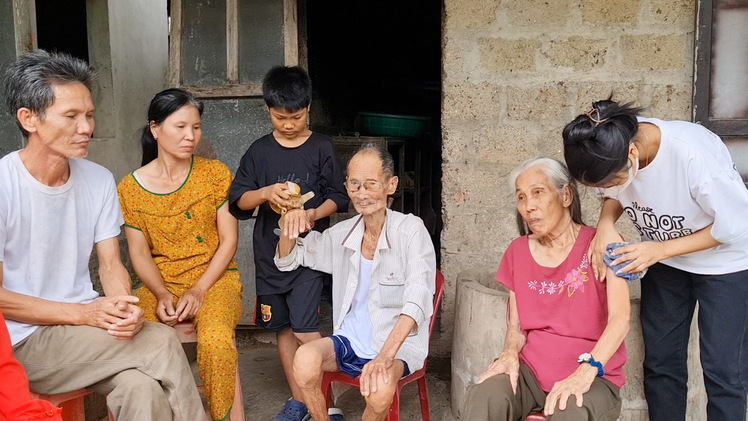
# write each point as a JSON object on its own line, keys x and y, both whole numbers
{"x": 29, "y": 80}
{"x": 288, "y": 88}
{"x": 164, "y": 104}
{"x": 388, "y": 163}
{"x": 596, "y": 144}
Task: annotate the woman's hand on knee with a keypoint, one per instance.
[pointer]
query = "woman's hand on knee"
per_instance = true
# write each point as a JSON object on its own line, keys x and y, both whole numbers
{"x": 577, "y": 384}
{"x": 507, "y": 363}
{"x": 165, "y": 310}
{"x": 189, "y": 304}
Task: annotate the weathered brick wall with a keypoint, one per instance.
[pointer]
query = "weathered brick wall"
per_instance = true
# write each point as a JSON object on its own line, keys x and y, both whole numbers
{"x": 516, "y": 71}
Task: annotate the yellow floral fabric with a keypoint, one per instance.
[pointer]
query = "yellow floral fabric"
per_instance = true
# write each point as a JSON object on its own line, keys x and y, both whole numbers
{"x": 182, "y": 232}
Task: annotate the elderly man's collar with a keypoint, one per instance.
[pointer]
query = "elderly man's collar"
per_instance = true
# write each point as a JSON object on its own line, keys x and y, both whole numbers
{"x": 352, "y": 240}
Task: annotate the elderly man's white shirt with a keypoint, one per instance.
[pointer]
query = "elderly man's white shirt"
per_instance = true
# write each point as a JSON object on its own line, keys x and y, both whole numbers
{"x": 47, "y": 233}
{"x": 402, "y": 278}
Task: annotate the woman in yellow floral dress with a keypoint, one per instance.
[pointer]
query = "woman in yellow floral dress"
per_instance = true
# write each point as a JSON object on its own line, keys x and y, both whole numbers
{"x": 182, "y": 240}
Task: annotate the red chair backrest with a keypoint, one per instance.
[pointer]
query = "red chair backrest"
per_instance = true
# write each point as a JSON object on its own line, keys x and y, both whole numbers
{"x": 439, "y": 286}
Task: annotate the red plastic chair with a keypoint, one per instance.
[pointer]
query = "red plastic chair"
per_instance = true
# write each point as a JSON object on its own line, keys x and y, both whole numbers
{"x": 420, "y": 375}
{"x": 71, "y": 404}
{"x": 535, "y": 417}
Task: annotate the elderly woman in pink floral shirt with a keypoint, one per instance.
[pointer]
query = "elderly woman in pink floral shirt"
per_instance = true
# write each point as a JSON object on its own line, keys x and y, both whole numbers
{"x": 564, "y": 353}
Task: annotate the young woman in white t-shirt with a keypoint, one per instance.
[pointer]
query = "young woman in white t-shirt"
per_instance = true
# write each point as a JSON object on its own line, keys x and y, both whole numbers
{"x": 677, "y": 183}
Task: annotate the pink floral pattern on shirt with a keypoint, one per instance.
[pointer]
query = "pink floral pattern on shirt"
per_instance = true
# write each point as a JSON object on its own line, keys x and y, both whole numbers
{"x": 573, "y": 281}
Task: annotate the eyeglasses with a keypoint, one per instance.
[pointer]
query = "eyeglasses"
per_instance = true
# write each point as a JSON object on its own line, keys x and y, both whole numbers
{"x": 369, "y": 185}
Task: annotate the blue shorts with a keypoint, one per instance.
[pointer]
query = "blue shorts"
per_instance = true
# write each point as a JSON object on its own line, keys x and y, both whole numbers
{"x": 350, "y": 363}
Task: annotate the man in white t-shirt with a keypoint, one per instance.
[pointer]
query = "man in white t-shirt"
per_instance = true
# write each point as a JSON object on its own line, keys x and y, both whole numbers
{"x": 54, "y": 208}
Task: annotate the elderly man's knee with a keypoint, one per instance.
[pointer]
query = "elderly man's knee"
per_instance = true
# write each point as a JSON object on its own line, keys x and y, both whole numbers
{"x": 307, "y": 365}
{"x": 381, "y": 400}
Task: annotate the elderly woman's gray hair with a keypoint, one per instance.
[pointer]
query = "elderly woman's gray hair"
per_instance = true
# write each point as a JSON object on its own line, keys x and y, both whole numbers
{"x": 559, "y": 177}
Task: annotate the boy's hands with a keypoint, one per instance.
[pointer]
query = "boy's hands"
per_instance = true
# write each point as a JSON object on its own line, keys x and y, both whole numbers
{"x": 277, "y": 194}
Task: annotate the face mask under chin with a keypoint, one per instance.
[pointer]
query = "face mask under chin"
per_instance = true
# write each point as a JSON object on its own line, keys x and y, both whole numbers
{"x": 613, "y": 191}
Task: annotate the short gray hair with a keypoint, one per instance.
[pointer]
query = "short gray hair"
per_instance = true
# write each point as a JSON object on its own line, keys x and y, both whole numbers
{"x": 28, "y": 81}
{"x": 558, "y": 174}
{"x": 388, "y": 163}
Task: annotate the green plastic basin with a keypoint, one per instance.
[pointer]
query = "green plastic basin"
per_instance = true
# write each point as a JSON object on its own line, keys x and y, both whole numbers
{"x": 376, "y": 124}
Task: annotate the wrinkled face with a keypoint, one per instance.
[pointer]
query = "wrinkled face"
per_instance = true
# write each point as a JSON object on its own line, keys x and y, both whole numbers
{"x": 68, "y": 124}
{"x": 370, "y": 195}
{"x": 289, "y": 125}
{"x": 539, "y": 203}
{"x": 179, "y": 134}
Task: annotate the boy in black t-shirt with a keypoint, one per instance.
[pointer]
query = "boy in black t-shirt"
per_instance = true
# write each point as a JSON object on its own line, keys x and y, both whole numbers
{"x": 287, "y": 302}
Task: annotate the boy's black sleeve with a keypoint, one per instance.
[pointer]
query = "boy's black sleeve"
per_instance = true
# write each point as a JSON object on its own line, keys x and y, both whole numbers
{"x": 244, "y": 181}
{"x": 331, "y": 178}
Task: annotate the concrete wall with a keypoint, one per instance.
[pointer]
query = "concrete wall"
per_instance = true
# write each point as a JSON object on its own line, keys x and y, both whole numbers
{"x": 515, "y": 72}
{"x": 128, "y": 48}
{"x": 10, "y": 136}
{"x": 128, "y": 44}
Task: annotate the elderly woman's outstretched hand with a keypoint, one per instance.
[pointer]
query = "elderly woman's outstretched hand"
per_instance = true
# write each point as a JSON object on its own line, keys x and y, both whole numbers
{"x": 507, "y": 363}
{"x": 577, "y": 384}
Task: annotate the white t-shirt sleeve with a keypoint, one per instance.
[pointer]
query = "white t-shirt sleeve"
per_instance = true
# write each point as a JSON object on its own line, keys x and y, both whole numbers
{"x": 723, "y": 197}
{"x": 3, "y": 224}
{"x": 110, "y": 219}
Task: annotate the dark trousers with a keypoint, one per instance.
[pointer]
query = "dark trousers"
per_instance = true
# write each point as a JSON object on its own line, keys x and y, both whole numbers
{"x": 669, "y": 297}
{"x": 494, "y": 400}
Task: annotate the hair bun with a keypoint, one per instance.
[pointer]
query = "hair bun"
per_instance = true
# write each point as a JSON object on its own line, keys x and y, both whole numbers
{"x": 581, "y": 130}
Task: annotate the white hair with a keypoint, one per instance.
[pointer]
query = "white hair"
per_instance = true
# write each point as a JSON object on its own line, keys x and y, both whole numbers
{"x": 558, "y": 175}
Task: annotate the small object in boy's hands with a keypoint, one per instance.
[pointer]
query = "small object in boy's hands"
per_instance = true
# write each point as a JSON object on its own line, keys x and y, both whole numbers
{"x": 608, "y": 258}
{"x": 296, "y": 201}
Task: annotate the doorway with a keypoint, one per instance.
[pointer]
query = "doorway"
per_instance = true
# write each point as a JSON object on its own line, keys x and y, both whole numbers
{"x": 62, "y": 26}
{"x": 383, "y": 57}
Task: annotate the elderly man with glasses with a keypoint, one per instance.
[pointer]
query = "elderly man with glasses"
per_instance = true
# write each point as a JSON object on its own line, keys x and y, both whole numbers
{"x": 383, "y": 266}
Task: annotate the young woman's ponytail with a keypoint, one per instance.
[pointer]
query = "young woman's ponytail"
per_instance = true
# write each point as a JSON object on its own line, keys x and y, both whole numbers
{"x": 150, "y": 147}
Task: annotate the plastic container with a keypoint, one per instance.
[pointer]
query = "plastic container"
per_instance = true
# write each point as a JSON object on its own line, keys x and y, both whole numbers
{"x": 375, "y": 124}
